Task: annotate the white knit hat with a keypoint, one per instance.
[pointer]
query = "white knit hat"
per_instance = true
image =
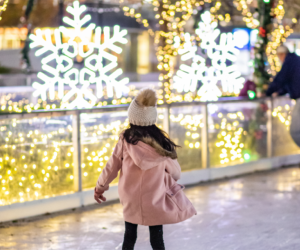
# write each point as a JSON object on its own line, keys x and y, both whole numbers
{"x": 142, "y": 110}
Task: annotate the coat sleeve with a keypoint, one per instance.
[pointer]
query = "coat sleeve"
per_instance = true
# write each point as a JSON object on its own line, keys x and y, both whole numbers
{"x": 110, "y": 172}
{"x": 282, "y": 92}
{"x": 174, "y": 169}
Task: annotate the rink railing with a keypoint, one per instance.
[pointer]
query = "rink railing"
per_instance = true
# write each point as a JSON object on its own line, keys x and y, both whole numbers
{"x": 223, "y": 138}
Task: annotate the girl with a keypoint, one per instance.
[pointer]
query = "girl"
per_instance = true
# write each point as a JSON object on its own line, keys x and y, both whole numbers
{"x": 148, "y": 188}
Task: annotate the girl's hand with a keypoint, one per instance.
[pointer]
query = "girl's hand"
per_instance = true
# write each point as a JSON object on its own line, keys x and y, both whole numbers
{"x": 98, "y": 196}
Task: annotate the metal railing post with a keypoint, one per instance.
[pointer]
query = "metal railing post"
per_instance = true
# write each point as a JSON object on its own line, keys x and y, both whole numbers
{"x": 166, "y": 122}
{"x": 77, "y": 152}
{"x": 204, "y": 138}
{"x": 270, "y": 129}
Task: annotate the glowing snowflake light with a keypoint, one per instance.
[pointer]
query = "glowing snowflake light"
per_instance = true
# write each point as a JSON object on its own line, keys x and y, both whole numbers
{"x": 58, "y": 61}
{"x": 220, "y": 52}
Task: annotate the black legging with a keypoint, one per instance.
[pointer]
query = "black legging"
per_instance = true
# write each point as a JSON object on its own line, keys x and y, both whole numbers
{"x": 156, "y": 237}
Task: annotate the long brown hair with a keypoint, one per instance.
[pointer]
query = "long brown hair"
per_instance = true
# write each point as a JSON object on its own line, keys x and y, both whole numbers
{"x": 135, "y": 133}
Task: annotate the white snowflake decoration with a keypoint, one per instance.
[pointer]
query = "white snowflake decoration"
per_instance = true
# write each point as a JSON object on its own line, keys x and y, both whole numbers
{"x": 63, "y": 54}
{"x": 188, "y": 76}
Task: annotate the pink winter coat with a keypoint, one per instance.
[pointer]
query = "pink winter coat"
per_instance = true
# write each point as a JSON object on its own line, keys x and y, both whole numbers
{"x": 147, "y": 187}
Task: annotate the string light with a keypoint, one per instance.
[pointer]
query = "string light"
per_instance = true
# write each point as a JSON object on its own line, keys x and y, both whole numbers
{"x": 3, "y": 7}
{"x": 215, "y": 16}
{"x": 49, "y": 171}
{"x": 171, "y": 21}
{"x": 283, "y": 113}
{"x": 11, "y": 103}
{"x": 276, "y": 38}
{"x": 171, "y": 18}
{"x": 242, "y": 5}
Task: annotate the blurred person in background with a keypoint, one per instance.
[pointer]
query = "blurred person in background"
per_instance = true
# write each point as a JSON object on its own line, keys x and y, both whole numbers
{"x": 287, "y": 81}
{"x": 248, "y": 86}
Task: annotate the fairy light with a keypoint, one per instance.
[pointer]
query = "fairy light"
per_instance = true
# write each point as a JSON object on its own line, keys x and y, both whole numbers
{"x": 230, "y": 135}
{"x": 171, "y": 21}
{"x": 3, "y": 7}
{"x": 242, "y": 5}
{"x": 276, "y": 38}
{"x": 171, "y": 17}
{"x": 8, "y": 105}
{"x": 216, "y": 16}
{"x": 283, "y": 113}
{"x": 38, "y": 177}
{"x": 51, "y": 165}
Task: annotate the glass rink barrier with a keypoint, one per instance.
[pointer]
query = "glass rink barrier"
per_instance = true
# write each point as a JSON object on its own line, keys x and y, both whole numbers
{"x": 51, "y": 160}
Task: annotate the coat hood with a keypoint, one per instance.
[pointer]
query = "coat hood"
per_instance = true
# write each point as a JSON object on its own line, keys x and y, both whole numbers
{"x": 148, "y": 153}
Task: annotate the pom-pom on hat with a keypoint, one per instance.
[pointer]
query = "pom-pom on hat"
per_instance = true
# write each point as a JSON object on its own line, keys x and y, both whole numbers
{"x": 142, "y": 110}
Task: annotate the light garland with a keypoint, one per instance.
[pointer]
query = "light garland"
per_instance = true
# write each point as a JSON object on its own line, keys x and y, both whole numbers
{"x": 242, "y": 5}
{"x": 30, "y": 170}
{"x": 272, "y": 34}
{"x": 14, "y": 103}
{"x": 214, "y": 13}
{"x": 170, "y": 25}
{"x": 283, "y": 114}
{"x": 276, "y": 38}
{"x": 132, "y": 13}
{"x": 3, "y": 7}
{"x": 36, "y": 155}
{"x": 230, "y": 137}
